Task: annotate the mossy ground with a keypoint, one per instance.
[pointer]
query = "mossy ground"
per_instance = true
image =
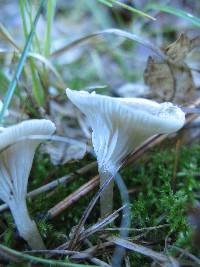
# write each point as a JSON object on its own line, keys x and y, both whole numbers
{"x": 156, "y": 203}
{"x": 157, "y": 198}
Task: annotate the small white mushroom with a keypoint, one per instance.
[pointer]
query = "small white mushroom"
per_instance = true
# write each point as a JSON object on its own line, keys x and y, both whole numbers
{"x": 16, "y": 157}
{"x": 119, "y": 125}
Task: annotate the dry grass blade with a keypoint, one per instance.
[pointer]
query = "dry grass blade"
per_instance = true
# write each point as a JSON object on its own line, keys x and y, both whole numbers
{"x": 16, "y": 256}
{"x": 87, "y": 213}
{"x": 140, "y": 249}
{"x": 138, "y": 229}
{"x": 75, "y": 254}
{"x": 187, "y": 254}
{"x": 116, "y": 32}
{"x": 100, "y": 262}
{"x": 101, "y": 224}
{"x": 94, "y": 250}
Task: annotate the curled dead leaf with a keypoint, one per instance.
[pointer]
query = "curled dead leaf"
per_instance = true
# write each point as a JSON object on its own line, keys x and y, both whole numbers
{"x": 177, "y": 51}
{"x": 171, "y": 79}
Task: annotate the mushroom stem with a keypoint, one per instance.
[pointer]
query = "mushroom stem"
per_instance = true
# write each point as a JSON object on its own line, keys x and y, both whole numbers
{"x": 106, "y": 198}
{"x": 26, "y": 226}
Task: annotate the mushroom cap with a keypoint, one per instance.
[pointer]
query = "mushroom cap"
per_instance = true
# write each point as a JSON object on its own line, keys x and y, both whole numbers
{"x": 16, "y": 157}
{"x": 13, "y": 133}
{"x": 119, "y": 125}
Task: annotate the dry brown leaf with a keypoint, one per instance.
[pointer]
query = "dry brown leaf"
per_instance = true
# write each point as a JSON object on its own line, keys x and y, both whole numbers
{"x": 171, "y": 79}
{"x": 159, "y": 78}
{"x": 177, "y": 51}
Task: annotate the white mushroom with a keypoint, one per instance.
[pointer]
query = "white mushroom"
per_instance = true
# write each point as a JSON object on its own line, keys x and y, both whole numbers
{"x": 16, "y": 157}
{"x": 119, "y": 125}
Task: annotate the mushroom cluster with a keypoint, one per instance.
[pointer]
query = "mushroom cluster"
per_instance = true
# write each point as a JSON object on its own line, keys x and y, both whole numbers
{"x": 120, "y": 125}
{"x": 16, "y": 156}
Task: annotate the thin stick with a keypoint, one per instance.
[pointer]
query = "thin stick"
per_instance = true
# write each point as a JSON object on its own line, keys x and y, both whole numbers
{"x": 79, "y": 255}
{"x": 139, "y": 249}
{"x": 55, "y": 183}
{"x": 86, "y": 213}
{"x": 137, "y": 229}
{"x": 101, "y": 224}
{"x": 17, "y": 256}
{"x": 97, "y": 250}
{"x": 75, "y": 196}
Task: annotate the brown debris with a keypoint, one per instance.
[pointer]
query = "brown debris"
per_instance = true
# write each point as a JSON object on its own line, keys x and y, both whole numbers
{"x": 171, "y": 79}
{"x": 179, "y": 50}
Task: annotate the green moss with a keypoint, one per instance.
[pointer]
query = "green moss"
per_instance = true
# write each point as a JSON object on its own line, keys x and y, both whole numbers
{"x": 153, "y": 203}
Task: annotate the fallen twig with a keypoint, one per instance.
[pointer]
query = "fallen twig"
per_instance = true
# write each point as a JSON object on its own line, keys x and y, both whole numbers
{"x": 138, "y": 229}
{"x": 141, "y": 249}
{"x": 99, "y": 225}
{"x": 97, "y": 250}
{"x": 86, "y": 213}
{"x": 16, "y": 256}
{"x": 187, "y": 254}
{"x": 55, "y": 183}
{"x": 75, "y": 196}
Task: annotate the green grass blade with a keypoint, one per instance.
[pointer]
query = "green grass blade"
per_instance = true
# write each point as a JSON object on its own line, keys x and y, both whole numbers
{"x": 105, "y": 2}
{"x": 29, "y": 9}
{"x": 132, "y": 9}
{"x": 117, "y": 32}
{"x": 23, "y": 17}
{"x": 36, "y": 85}
{"x": 51, "y": 4}
{"x": 177, "y": 12}
{"x": 38, "y": 91}
{"x": 12, "y": 85}
{"x": 123, "y": 5}
{"x": 20, "y": 257}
